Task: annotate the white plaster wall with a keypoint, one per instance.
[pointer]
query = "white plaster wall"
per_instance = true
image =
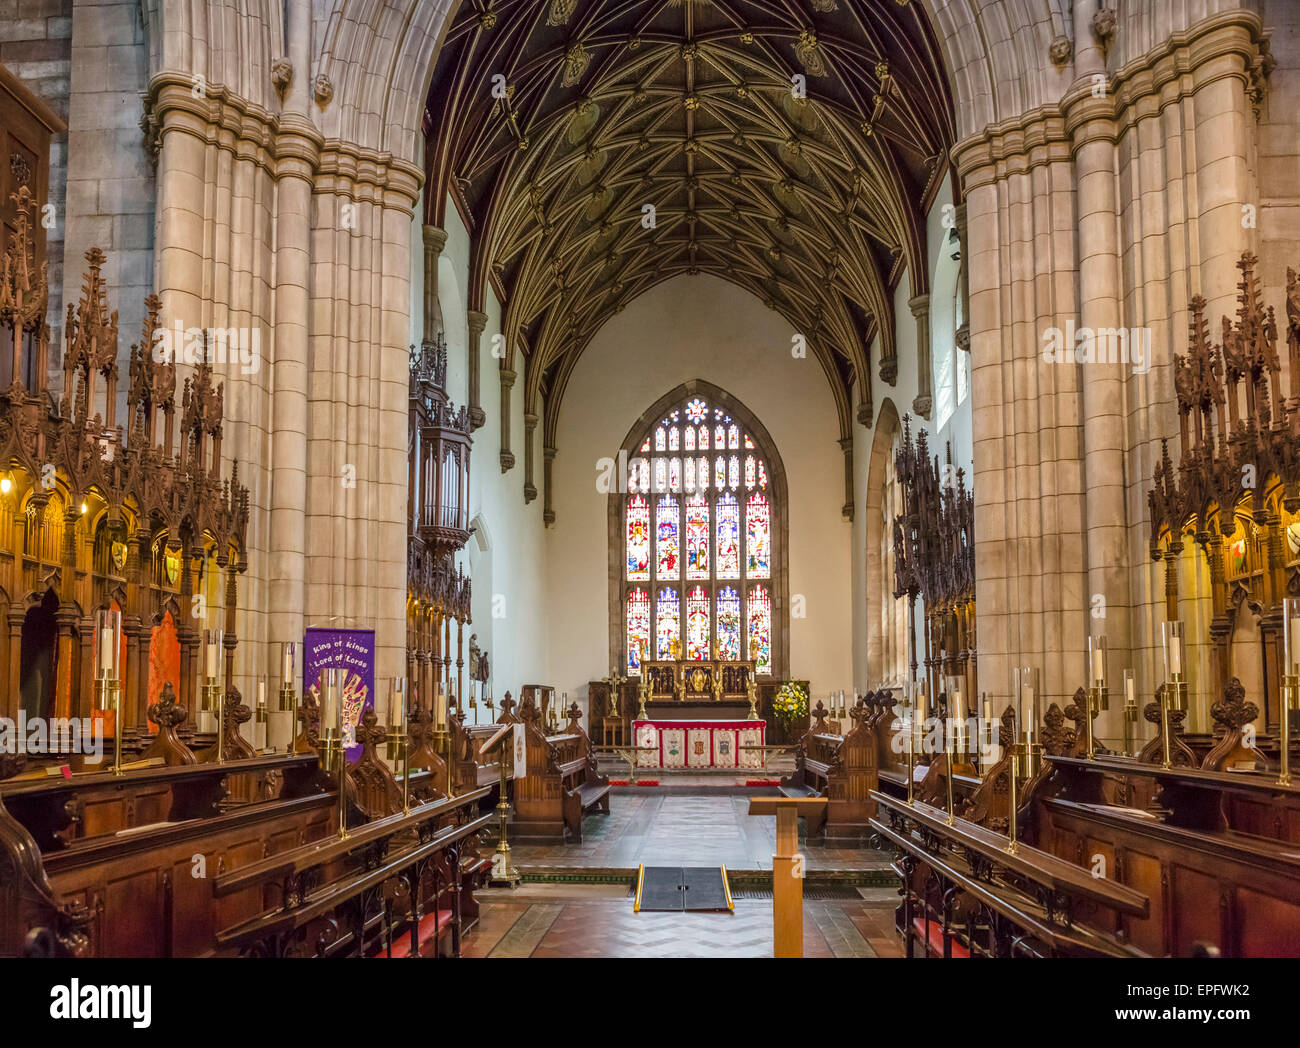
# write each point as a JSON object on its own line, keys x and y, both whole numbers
{"x": 506, "y": 558}
{"x": 698, "y": 327}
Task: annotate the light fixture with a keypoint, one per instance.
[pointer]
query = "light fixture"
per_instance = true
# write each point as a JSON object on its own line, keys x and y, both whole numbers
{"x": 5, "y": 485}
{"x": 84, "y": 509}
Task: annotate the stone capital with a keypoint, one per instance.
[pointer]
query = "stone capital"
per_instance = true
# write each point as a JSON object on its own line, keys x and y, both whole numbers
{"x": 919, "y": 305}
{"x": 435, "y": 239}
{"x": 477, "y": 321}
{"x": 508, "y": 377}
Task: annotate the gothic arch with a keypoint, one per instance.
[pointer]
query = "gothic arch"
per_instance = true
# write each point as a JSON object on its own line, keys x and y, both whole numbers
{"x": 780, "y": 578}
{"x": 884, "y": 435}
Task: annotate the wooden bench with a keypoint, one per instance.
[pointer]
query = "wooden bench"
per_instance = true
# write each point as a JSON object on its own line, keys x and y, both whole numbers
{"x": 561, "y": 784}
{"x": 392, "y": 881}
{"x": 840, "y": 768}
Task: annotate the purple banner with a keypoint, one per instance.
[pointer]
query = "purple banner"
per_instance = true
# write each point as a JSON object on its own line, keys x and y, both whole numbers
{"x": 354, "y": 651}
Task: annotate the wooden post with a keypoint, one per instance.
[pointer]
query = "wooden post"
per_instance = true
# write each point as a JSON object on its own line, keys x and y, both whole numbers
{"x": 787, "y": 868}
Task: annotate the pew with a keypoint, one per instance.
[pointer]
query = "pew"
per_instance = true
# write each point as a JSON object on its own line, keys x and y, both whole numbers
{"x": 840, "y": 768}
{"x": 1117, "y": 856}
{"x": 393, "y": 888}
{"x": 561, "y": 784}
{"x": 98, "y": 865}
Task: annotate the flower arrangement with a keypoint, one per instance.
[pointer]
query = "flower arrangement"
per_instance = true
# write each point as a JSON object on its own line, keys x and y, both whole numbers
{"x": 791, "y": 701}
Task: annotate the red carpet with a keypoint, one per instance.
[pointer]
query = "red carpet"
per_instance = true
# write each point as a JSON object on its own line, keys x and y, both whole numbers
{"x": 762, "y": 782}
{"x": 639, "y": 782}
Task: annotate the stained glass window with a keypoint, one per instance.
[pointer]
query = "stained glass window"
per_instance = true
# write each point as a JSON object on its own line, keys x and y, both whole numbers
{"x": 668, "y": 631}
{"x": 638, "y": 539}
{"x": 669, "y": 545}
{"x": 697, "y": 624}
{"x": 728, "y": 538}
{"x": 698, "y": 538}
{"x": 760, "y": 629}
{"x": 728, "y": 623}
{"x": 758, "y": 559}
{"x": 638, "y": 628}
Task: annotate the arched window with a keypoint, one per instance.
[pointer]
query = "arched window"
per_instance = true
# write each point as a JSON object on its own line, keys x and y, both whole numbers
{"x": 699, "y": 534}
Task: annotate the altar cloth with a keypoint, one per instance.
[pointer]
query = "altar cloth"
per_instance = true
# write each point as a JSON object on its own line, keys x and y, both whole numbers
{"x": 699, "y": 744}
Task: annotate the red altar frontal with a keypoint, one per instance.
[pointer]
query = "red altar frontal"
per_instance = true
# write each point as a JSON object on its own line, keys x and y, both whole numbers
{"x": 699, "y": 744}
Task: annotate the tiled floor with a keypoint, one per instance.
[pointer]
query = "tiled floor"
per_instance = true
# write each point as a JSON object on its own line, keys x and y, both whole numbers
{"x": 598, "y": 921}
{"x": 573, "y": 919}
{"x": 673, "y": 829}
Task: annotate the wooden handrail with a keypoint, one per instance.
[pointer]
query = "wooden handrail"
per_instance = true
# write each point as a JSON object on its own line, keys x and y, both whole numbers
{"x": 1007, "y": 901}
{"x": 280, "y": 920}
{"x": 1034, "y": 865}
{"x": 319, "y": 852}
{"x": 82, "y": 780}
{"x": 1234, "y": 781}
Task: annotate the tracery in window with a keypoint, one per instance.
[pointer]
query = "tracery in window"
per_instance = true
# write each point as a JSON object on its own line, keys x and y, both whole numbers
{"x": 698, "y": 529}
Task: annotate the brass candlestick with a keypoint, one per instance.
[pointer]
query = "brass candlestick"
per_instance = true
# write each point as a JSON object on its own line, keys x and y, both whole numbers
{"x": 909, "y": 728}
{"x": 1130, "y": 712}
{"x": 1290, "y": 682}
{"x": 289, "y": 705}
{"x": 213, "y": 698}
{"x": 1174, "y": 698}
{"x": 1026, "y": 759}
{"x": 751, "y": 690}
{"x": 643, "y": 693}
{"x": 503, "y": 870}
{"x": 1290, "y": 699}
{"x": 108, "y": 695}
{"x": 1098, "y": 693}
{"x": 108, "y": 676}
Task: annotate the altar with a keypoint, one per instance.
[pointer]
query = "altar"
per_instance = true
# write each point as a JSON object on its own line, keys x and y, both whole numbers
{"x": 699, "y": 743}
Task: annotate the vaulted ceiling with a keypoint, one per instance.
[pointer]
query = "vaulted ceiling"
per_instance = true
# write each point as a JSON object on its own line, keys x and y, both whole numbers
{"x": 789, "y": 146}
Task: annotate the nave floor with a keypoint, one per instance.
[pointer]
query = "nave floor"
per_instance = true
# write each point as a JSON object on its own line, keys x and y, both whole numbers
{"x": 596, "y": 920}
{"x": 577, "y": 901}
{"x": 657, "y": 829}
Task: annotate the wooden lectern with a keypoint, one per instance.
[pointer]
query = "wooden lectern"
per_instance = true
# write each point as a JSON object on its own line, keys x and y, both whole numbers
{"x": 787, "y": 868}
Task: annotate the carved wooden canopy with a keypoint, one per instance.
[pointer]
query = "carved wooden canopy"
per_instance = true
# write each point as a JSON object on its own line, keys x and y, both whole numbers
{"x": 555, "y": 123}
{"x": 934, "y": 536}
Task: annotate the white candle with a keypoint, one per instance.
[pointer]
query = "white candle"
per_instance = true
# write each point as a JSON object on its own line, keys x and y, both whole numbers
{"x": 439, "y": 707}
{"x": 330, "y": 679}
{"x": 1098, "y": 649}
{"x": 261, "y": 693}
{"x": 212, "y": 658}
{"x": 106, "y": 651}
{"x": 286, "y": 663}
{"x": 1130, "y": 689}
{"x": 396, "y": 701}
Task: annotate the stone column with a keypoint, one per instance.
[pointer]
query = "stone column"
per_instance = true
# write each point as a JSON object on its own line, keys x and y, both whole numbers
{"x": 435, "y": 240}
{"x": 920, "y": 307}
{"x": 1091, "y": 125}
{"x": 297, "y": 149}
{"x": 530, "y": 425}
{"x": 548, "y": 510}
{"x": 846, "y": 446}
{"x": 507, "y": 384}
{"x": 477, "y": 322}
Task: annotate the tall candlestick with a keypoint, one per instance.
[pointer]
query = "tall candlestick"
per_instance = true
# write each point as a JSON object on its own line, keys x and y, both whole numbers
{"x": 261, "y": 693}
{"x": 331, "y": 682}
{"x": 439, "y": 707}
